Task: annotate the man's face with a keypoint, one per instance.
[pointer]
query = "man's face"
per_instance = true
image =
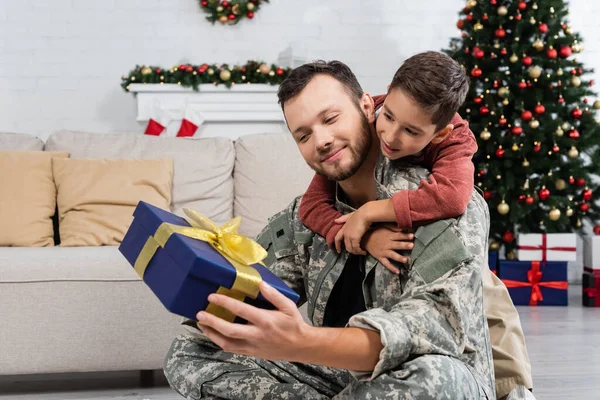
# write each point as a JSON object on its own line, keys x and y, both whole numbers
{"x": 332, "y": 133}
{"x": 403, "y": 127}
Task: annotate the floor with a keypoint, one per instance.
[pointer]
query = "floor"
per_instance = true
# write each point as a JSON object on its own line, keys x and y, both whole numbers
{"x": 563, "y": 345}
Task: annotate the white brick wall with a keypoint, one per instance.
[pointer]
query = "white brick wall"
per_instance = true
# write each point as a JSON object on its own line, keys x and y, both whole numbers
{"x": 61, "y": 60}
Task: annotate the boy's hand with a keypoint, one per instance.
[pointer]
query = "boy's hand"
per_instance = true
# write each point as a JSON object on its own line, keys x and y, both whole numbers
{"x": 383, "y": 243}
{"x": 355, "y": 227}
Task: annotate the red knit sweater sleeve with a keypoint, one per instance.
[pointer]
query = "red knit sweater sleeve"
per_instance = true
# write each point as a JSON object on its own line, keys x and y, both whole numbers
{"x": 317, "y": 208}
{"x": 447, "y": 192}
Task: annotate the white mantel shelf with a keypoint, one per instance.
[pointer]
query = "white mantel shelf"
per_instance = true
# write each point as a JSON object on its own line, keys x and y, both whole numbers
{"x": 240, "y": 110}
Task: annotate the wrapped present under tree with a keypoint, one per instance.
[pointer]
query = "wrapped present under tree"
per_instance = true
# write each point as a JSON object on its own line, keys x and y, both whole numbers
{"x": 535, "y": 283}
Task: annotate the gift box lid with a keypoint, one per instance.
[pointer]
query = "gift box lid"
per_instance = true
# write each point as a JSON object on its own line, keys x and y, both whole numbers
{"x": 552, "y": 271}
{"x": 198, "y": 256}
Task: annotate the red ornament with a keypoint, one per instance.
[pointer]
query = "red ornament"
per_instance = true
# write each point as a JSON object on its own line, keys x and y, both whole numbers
{"x": 518, "y": 17}
{"x": 493, "y": 2}
{"x": 527, "y": 61}
{"x": 477, "y": 100}
{"x": 250, "y": 14}
{"x": 487, "y": 195}
{"x": 551, "y": 53}
{"x": 537, "y": 148}
{"x": 573, "y": 71}
{"x": 500, "y": 33}
{"x": 580, "y": 182}
{"x": 559, "y": 84}
{"x": 467, "y": 50}
{"x": 597, "y": 230}
{"x": 243, "y": 69}
{"x": 522, "y": 6}
{"x": 470, "y": 17}
{"x": 539, "y": 109}
{"x": 482, "y": 172}
{"x": 231, "y": 17}
{"x": 464, "y": 35}
{"x": 476, "y": 72}
{"x": 543, "y": 28}
{"x": 279, "y": 71}
{"x": 502, "y": 121}
{"x": 204, "y": 3}
{"x": 225, "y": 3}
{"x": 479, "y": 54}
{"x": 521, "y": 198}
{"x": 484, "y": 110}
{"x": 563, "y": 26}
{"x": 585, "y": 100}
{"x": 529, "y": 84}
{"x": 460, "y": 24}
{"x": 577, "y": 113}
{"x": 189, "y": 68}
{"x": 496, "y": 84}
{"x": 529, "y": 200}
{"x": 182, "y": 68}
{"x": 561, "y": 99}
{"x": 516, "y": 130}
{"x": 592, "y": 82}
{"x": 526, "y": 115}
{"x": 500, "y": 153}
{"x": 158, "y": 70}
{"x": 584, "y": 207}
{"x": 565, "y": 51}
{"x": 587, "y": 194}
{"x": 574, "y": 134}
{"x": 571, "y": 180}
{"x": 485, "y": 17}
{"x": 544, "y": 194}
{"x": 522, "y": 85}
{"x": 555, "y": 148}
{"x": 503, "y": 52}
{"x": 508, "y": 237}
{"x": 579, "y": 71}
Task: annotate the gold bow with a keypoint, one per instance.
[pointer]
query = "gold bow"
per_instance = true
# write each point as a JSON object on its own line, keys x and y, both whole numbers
{"x": 239, "y": 250}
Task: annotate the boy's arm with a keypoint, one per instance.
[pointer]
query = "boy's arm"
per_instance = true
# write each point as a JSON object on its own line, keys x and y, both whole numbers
{"x": 449, "y": 188}
{"x": 317, "y": 208}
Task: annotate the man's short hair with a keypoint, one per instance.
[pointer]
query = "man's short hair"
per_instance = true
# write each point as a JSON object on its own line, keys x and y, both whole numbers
{"x": 302, "y": 75}
{"x": 436, "y": 82}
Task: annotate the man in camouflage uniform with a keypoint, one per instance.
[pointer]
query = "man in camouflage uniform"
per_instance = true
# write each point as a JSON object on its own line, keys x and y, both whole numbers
{"x": 434, "y": 339}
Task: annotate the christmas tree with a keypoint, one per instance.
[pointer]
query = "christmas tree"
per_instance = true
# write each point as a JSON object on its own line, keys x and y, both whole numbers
{"x": 529, "y": 107}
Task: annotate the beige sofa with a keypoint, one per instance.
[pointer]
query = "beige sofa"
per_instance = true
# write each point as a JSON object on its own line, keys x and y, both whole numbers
{"x": 78, "y": 309}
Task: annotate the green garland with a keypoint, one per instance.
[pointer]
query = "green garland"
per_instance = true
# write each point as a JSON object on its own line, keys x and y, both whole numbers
{"x": 230, "y": 11}
{"x": 188, "y": 75}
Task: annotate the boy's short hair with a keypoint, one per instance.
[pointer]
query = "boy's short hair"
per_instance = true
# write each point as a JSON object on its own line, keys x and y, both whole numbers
{"x": 297, "y": 80}
{"x": 436, "y": 82}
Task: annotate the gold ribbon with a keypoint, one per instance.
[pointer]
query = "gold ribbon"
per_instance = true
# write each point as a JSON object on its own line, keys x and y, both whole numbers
{"x": 239, "y": 250}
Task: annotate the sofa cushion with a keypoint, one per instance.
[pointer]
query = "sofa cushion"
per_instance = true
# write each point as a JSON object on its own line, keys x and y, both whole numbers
{"x": 105, "y": 263}
{"x": 27, "y": 198}
{"x": 96, "y": 198}
{"x": 269, "y": 173}
{"x": 203, "y": 168}
{"x": 20, "y": 141}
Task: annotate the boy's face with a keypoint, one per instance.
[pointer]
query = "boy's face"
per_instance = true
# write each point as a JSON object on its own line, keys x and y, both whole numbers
{"x": 333, "y": 135}
{"x": 403, "y": 127}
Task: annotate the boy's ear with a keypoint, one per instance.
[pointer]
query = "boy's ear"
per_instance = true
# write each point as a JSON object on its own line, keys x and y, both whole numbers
{"x": 442, "y": 134}
{"x": 368, "y": 106}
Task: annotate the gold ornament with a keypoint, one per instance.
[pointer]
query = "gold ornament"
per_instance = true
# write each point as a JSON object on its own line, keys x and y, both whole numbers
{"x": 515, "y": 147}
{"x": 526, "y": 163}
{"x": 502, "y": 11}
{"x": 569, "y": 212}
{"x": 225, "y": 75}
{"x": 503, "y": 208}
{"x": 514, "y": 58}
{"x": 568, "y": 31}
{"x": 223, "y": 19}
{"x": 538, "y": 45}
{"x": 503, "y": 91}
{"x": 575, "y": 81}
{"x": 559, "y": 131}
{"x": 560, "y": 184}
{"x": 554, "y": 214}
{"x": 535, "y": 72}
{"x": 471, "y": 3}
{"x": 210, "y": 71}
{"x": 264, "y": 69}
{"x": 534, "y": 6}
{"x": 272, "y": 73}
{"x": 494, "y": 246}
{"x": 573, "y": 153}
{"x": 220, "y": 9}
{"x": 597, "y": 104}
{"x": 505, "y": 102}
{"x": 559, "y": 72}
{"x": 478, "y": 26}
{"x": 235, "y": 9}
{"x": 485, "y": 134}
{"x": 565, "y": 126}
{"x": 579, "y": 223}
{"x": 577, "y": 48}
{"x": 532, "y": 21}
{"x": 250, "y": 6}
{"x": 534, "y": 124}
{"x": 146, "y": 71}
{"x": 510, "y": 256}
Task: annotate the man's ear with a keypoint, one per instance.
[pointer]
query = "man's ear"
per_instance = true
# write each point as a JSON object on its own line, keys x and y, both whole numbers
{"x": 368, "y": 107}
{"x": 442, "y": 134}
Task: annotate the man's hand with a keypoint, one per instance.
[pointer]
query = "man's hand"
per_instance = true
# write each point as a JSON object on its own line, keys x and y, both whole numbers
{"x": 279, "y": 334}
{"x": 355, "y": 226}
{"x": 383, "y": 243}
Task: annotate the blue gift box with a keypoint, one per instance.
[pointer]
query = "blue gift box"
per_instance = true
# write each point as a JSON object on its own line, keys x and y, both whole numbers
{"x": 523, "y": 283}
{"x": 493, "y": 261}
{"x": 186, "y": 271}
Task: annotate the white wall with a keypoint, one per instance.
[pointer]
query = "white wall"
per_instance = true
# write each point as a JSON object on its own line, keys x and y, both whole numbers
{"x": 61, "y": 60}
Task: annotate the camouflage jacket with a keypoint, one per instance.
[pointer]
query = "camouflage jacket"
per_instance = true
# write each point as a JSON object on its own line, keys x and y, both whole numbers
{"x": 435, "y": 305}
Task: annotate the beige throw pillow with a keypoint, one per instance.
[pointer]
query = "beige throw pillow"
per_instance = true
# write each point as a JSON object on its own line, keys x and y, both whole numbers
{"x": 96, "y": 197}
{"x": 27, "y": 198}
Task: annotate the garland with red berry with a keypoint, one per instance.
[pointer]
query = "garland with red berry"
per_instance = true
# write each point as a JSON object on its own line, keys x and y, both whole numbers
{"x": 230, "y": 11}
{"x": 188, "y": 75}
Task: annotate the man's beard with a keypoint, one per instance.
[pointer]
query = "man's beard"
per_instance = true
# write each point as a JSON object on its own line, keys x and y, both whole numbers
{"x": 359, "y": 153}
